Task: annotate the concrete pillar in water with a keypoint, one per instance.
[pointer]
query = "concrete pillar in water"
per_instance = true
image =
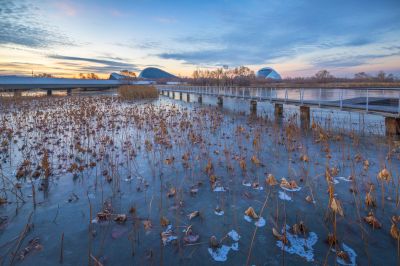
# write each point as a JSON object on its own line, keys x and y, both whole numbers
{"x": 220, "y": 100}
{"x": 69, "y": 92}
{"x": 305, "y": 116}
{"x": 180, "y": 96}
{"x": 173, "y": 95}
{"x": 49, "y": 92}
{"x": 253, "y": 106}
{"x": 200, "y": 99}
{"x": 392, "y": 125}
{"x": 168, "y": 93}
{"x": 278, "y": 109}
{"x": 188, "y": 97}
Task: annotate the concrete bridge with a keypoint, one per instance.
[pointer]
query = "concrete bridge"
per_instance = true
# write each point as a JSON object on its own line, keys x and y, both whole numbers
{"x": 18, "y": 84}
{"x": 379, "y": 101}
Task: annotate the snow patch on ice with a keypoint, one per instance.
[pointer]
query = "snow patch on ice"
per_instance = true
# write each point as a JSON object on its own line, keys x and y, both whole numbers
{"x": 219, "y": 189}
{"x": 291, "y": 189}
{"x": 284, "y": 196}
{"x": 299, "y": 245}
{"x": 246, "y": 184}
{"x": 260, "y": 222}
{"x": 219, "y": 213}
{"x": 221, "y": 253}
{"x": 234, "y": 235}
{"x": 342, "y": 178}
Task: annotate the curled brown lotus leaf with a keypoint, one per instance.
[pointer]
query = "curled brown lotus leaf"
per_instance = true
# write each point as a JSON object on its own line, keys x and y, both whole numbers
{"x": 396, "y": 219}
{"x": 366, "y": 165}
{"x": 358, "y": 157}
{"x": 344, "y": 256}
{"x": 372, "y": 220}
{"x": 255, "y": 160}
{"x": 394, "y": 231}
{"x": 370, "y": 200}
{"x": 255, "y": 185}
{"x": 331, "y": 240}
{"x": 120, "y": 218}
{"x": 169, "y": 160}
{"x": 279, "y": 236}
{"x": 214, "y": 243}
{"x": 299, "y": 228}
{"x": 213, "y": 179}
{"x": 164, "y": 221}
{"x": 304, "y": 158}
{"x": 104, "y": 215}
{"x": 242, "y": 164}
{"x": 270, "y": 180}
{"x": 185, "y": 157}
{"x": 384, "y": 175}
{"x": 289, "y": 185}
{"x": 251, "y": 213}
{"x": 336, "y": 206}
{"x": 309, "y": 199}
{"x": 193, "y": 215}
{"x": 171, "y": 193}
{"x": 147, "y": 225}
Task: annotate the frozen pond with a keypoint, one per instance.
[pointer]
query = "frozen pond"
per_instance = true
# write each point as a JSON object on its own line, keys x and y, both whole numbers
{"x": 91, "y": 179}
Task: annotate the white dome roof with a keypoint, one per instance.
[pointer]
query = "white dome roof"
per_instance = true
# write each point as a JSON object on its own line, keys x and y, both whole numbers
{"x": 268, "y": 73}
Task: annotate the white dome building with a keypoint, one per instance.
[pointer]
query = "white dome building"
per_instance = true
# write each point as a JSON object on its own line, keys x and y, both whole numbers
{"x": 268, "y": 73}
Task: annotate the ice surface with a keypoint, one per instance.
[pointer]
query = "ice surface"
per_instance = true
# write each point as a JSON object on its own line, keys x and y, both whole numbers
{"x": 299, "y": 245}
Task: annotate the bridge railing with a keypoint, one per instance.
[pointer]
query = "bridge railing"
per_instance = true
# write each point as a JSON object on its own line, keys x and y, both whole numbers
{"x": 385, "y": 100}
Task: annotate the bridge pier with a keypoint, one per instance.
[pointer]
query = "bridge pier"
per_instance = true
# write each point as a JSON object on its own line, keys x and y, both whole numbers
{"x": 253, "y": 106}
{"x": 180, "y": 96}
{"x": 49, "y": 92}
{"x": 220, "y": 100}
{"x": 200, "y": 98}
{"x": 305, "y": 117}
{"x": 173, "y": 95}
{"x": 188, "y": 97}
{"x": 392, "y": 125}
{"x": 69, "y": 92}
{"x": 168, "y": 94}
{"x": 278, "y": 110}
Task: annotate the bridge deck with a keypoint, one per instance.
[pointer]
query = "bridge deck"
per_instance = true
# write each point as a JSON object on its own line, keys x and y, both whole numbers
{"x": 385, "y": 106}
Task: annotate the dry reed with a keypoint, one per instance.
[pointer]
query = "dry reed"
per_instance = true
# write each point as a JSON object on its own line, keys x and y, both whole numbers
{"x": 135, "y": 92}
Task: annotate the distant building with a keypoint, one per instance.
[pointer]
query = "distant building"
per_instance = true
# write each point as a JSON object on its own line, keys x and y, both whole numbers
{"x": 116, "y": 76}
{"x": 155, "y": 73}
{"x": 268, "y": 73}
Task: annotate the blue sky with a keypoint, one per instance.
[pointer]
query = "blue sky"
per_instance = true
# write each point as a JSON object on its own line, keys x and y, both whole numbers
{"x": 297, "y": 38}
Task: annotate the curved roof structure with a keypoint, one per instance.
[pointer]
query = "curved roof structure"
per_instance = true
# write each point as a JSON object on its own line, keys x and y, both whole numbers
{"x": 268, "y": 73}
{"x": 155, "y": 73}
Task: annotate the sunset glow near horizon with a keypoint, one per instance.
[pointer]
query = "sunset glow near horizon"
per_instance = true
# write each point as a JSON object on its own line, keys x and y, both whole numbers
{"x": 297, "y": 38}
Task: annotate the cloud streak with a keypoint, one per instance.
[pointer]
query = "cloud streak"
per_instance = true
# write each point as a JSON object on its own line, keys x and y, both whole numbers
{"x": 20, "y": 24}
{"x": 99, "y": 65}
{"x": 265, "y": 31}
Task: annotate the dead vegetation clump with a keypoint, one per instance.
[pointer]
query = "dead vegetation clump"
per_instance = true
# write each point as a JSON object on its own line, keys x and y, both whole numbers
{"x": 137, "y": 92}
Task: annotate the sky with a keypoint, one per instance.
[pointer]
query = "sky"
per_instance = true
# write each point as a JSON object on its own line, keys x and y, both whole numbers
{"x": 296, "y": 38}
